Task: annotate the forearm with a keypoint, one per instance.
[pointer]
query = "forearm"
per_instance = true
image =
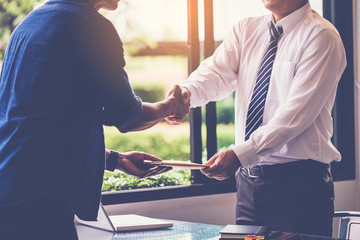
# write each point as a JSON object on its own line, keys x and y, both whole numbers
{"x": 152, "y": 114}
{"x": 212, "y": 81}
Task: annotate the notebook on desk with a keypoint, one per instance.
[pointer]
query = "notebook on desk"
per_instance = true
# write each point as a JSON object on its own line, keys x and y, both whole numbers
{"x": 125, "y": 222}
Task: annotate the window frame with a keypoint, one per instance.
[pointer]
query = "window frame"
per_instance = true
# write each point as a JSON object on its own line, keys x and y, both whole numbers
{"x": 340, "y": 14}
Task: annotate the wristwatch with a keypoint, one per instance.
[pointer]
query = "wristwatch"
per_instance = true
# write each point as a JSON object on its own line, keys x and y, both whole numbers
{"x": 111, "y": 161}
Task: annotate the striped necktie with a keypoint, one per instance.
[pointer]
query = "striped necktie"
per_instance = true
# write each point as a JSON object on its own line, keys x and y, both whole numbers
{"x": 257, "y": 103}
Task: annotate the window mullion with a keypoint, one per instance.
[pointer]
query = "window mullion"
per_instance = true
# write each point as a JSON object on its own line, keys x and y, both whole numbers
{"x": 339, "y": 13}
{"x": 209, "y": 47}
{"x": 193, "y": 63}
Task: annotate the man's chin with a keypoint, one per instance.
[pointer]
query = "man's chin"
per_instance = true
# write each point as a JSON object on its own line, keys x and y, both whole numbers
{"x": 111, "y": 6}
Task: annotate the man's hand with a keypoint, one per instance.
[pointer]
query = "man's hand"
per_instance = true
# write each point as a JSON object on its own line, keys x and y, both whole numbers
{"x": 132, "y": 163}
{"x": 222, "y": 165}
{"x": 182, "y": 104}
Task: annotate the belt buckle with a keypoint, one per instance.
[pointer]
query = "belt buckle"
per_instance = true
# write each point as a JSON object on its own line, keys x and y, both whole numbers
{"x": 253, "y": 176}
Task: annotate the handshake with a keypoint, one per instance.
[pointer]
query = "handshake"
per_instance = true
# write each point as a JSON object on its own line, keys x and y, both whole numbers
{"x": 174, "y": 108}
{"x": 179, "y": 100}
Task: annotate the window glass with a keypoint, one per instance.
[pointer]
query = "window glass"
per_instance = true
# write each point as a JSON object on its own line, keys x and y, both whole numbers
{"x": 154, "y": 35}
{"x": 228, "y": 12}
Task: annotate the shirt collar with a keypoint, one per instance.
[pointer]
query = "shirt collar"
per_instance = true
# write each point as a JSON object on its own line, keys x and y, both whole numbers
{"x": 289, "y": 22}
{"x": 85, "y": 1}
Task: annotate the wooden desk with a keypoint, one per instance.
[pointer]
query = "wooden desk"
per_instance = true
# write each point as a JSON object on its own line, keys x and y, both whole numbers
{"x": 180, "y": 231}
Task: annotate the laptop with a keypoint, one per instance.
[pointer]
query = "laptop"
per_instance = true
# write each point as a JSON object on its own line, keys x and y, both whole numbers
{"x": 125, "y": 222}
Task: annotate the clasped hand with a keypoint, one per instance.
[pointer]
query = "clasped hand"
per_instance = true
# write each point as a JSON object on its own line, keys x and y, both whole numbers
{"x": 223, "y": 164}
{"x": 181, "y": 105}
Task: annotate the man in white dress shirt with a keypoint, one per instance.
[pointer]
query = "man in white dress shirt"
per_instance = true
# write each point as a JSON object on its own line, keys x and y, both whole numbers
{"x": 282, "y": 167}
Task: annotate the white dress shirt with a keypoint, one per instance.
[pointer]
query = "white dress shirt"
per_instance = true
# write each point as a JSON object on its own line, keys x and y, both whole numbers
{"x": 297, "y": 122}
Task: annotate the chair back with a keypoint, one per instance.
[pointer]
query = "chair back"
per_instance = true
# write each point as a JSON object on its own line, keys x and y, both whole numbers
{"x": 349, "y": 224}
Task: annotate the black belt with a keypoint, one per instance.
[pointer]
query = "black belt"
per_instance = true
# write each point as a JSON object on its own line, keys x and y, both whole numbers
{"x": 306, "y": 168}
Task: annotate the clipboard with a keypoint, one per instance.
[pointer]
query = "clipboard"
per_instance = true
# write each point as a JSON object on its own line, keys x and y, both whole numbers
{"x": 176, "y": 164}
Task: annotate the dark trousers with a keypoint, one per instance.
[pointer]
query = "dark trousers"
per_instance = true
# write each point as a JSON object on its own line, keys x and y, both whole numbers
{"x": 44, "y": 217}
{"x": 293, "y": 197}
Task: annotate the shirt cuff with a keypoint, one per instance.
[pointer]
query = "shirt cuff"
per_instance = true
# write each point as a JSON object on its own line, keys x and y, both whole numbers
{"x": 193, "y": 100}
{"x": 246, "y": 154}
{"x": 131, "y": 116}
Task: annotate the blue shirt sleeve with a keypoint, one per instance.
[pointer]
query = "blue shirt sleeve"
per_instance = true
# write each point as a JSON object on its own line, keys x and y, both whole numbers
{"x": 104, "y": 58}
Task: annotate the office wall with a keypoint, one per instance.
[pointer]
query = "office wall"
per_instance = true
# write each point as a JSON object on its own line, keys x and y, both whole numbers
{"x": 220, "y": 209}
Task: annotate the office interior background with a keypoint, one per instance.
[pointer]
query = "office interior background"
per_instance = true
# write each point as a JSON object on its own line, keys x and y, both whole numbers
{"x": 153, "y": 28}
{"x": 219, "y": 208}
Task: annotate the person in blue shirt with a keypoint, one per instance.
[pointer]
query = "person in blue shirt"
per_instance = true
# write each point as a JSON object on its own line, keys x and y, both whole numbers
{"x": 62, "y": 79}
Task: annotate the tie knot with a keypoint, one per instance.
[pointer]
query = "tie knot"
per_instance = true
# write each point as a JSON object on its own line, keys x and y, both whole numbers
{"x": 275, "y": 32}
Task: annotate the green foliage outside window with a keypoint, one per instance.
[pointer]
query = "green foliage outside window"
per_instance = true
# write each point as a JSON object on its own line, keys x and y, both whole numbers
{"x": 167, "y": 142}
{"x": 149, "y": 91}
{"x": 120, "y": 181}
{"x": 11, "y": 14}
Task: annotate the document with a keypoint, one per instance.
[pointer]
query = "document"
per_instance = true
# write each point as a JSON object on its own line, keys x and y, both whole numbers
{"x": 176, "y": 164}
